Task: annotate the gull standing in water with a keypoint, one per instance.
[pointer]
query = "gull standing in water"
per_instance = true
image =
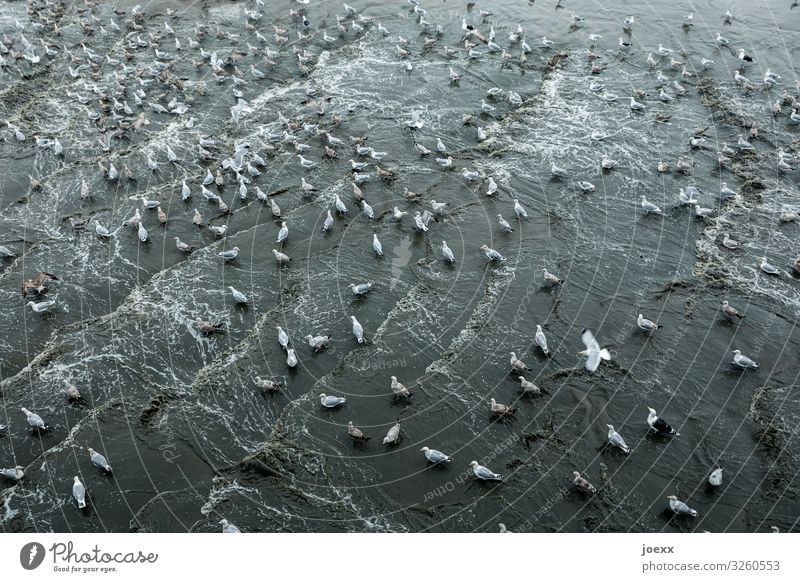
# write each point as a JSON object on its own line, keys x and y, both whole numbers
{"x": 331, "y": 401}
{"x": 228, "y": 527}
{"x": 615, "y": 439}
{"x": 447, "y": 253}
{"x": 399, "y": 389}
{"x": 238, "y": 296}
{"x": 743, "y": 361}
{"x": 34, "y": 420}
{"x": 582, "y": 483}
{"x": 484, "y": 473}
{"x": 98, "y": 460}
{"x": 679, "y": 507}
{"x": 435, "y": 456}
{"x": 541, "y": 340}
{"x": 715, "y": 479}
{"x": 79, "y": 492}
{"x": 659, "y": 425}
{"x": 647, "y": 325}
{"x": 377, "y": 246}
{"x": 649, "y": 207}
{"x": 492, "y": 254}
{"x": 358, "y": 331}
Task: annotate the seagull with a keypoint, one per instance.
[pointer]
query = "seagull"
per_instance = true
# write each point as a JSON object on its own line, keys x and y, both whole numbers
{"x": 447, "y": 253}
{"x": 529, "y": 387}
{"x": 291, "y": 358}
{"x": 658, "y": 424}
{"x": 492, "y": 254}
{"x": 768, "y": 268}
{"x": 519, "y": 210}
{"x": 331, "y": 401}
{"x": 649, "y": 207}
{"x": 267, "y": 385}
{"x": 361, "y": 288}
{"x": 41, "y": 306}
{"x": 730, "y": 311}
{"x": 228, "y": 527}
{"x": 582, "y": 483}
{"x": 357, "y": 434}
{"x": 393, "y": 436}
{"x": 14, "y": 474}
{"x": 283, "y": 233}
{"x": 283, "y": 337}
{"x": 358, "y": 331}
{"x": 229, "y": 255}
{"x": 399, "y": 389}
{"x": 615, "y": 439}
{"x": 504, "y": 224}
{"x": 419, "y": 222}
{"x": 98, "y": 460}
{"x": 729, "y": 243}
{"x": 377, "y": 246}
{"x": 501, "y": 409}
{"x": 585, "y": 185}
{"x": 743, "y": 361}
{"x": 593, "y": 352}
{"x": 435, "y": 456}
{"x": 550, "y": 278}
{"x": 541, "y": 340}
{"x": 484, "y": 473}
{"x": 517, "y": 364}
{"x": 647, "y": 325}
{"x": 715, "y": 479}
{"x": 34, "y": 420}
{"x": 238, "y": 296}
{"x": 282, "y": 258}
{"x": 328, "y": 224}
{"x": 79, "y": 492}
{"x": 680, "y": 507}
{"x": 686, "y": 199}
{"x": 207, "y": 327}
{"x": 556, "y": 171}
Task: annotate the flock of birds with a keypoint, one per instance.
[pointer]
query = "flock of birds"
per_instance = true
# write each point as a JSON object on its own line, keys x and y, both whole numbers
{"x": 154, "y": 89}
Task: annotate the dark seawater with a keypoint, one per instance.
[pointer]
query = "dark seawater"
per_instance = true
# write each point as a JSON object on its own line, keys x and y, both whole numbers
{"x": 190, "y": 436}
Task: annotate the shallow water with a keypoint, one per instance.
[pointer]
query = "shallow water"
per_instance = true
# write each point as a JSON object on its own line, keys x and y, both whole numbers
{"x": 192, "y": 439}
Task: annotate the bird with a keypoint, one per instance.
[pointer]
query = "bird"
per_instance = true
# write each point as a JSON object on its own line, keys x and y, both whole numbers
{"x": 529, "y": 387}
{"x": 358, "y": 331}
{"x": 501, "y": 409}
{"x": 182, "y": 246}
{"x": 647, "y": 325}
{"x": 266, "y": 384}
{"x": 79, "y": 492}
{"x": 377, "y": 246}
{"x": 291, "y": 358}
{"x": 228, "y": 527}
{"x": 549, "y": 278}
{"x": 238, "y": 296}
{"x": 283, "y": 337}
{"x": 729, "y": 243}
{"x": 13, "y": 474}
{"x": 769, "y": 268}
{"x": 517, "y": 364}
{"x": 615, "y": 439}
{"x": 743, "y": 361}
{"x": 207, "y": 327}
{"x": 582, "y": 483}
{"x": 715, "y": 479}
{"x": 361, "y": 288}
{"x": 34, "y": 420}
{"x": 729, "y": 311}
{"x": 331, "y": 401}
{"x": 230, "y": 254}
{"x": 98, "y": 460}
{"x": 649, "y": 207}
{"x": 541, "y": 340}
{"x": 592, "y": 352}
{"x": 484, "y": 473}
{"x": 282, "y": 258}
{"x": 658, "y": 424}
{"x": 319, "y": 342}
{"x": 398, "y": 389}
{"x": 435, "y": 456}
{"x": 447, "y": 253}
{"x": 283, "y": 233}
{"x": 393, "y": 436}
{"x": 492, "y": 254}
{"x": 504, "y": 224}
{"x": 357, "y": 434}
{"x": 41, "y": 306}
{"x": 142, "y": 233}
{"x": 679, "y": 507}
